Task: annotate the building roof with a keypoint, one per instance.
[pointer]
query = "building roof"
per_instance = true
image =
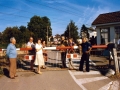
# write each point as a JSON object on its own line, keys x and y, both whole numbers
{"x": 105, "y": 18}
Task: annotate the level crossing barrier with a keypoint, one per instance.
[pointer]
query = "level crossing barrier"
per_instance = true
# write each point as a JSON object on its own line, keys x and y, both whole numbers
{"x": 54, "y": 60}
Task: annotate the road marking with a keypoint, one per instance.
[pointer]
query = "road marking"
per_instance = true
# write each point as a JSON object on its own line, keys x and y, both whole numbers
{"x": 112, "y": 85}
{"x": 77, "y": 80}
{"x": 107, "y": 86}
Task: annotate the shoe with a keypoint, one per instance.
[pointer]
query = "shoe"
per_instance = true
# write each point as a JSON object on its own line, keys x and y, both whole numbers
{"x": 87, "y": 71}
{"x": 16, "y": 75}
{"x": 39, "y": 72}
{"x": 80, "y": 70}
{"x": 12, "y": 78}
{"x": 43, "y": 67}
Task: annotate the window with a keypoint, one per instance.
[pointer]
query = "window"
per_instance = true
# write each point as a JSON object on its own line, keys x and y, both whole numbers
{"x": 117, "y": 33}
{"x": 104, "y": 35}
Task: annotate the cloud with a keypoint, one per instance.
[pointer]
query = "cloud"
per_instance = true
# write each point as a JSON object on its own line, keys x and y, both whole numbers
{"x": 96, "y": 12}
{"x": 103, "y": 2}
{"x": 53, "y": 1}
{"x": 90, "y": 14}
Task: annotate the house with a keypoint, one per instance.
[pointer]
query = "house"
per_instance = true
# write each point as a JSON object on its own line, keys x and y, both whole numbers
{"x": 92, "y": 32}
{"x": 107, "y": 27}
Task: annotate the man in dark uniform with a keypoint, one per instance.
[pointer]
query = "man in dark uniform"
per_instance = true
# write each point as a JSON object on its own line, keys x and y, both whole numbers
{"x": 86, "y": 48}
{"x": 63, "y": 52}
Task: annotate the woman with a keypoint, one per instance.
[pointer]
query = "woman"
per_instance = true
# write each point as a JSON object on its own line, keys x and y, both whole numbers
{"x": 39, "y": 60}
{"x": 44, "y": 51}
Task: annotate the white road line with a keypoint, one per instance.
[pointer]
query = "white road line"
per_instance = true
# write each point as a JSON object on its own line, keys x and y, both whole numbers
{"x": 107, "y": 86}
{"x": 77, "y": 81}
{"x": 85, "y": 73}
{"x": 80, "y": 82}
{"x": 88, "y": 80}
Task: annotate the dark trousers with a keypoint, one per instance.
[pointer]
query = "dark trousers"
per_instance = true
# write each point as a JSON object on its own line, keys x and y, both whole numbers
{"x": 85, "y": 57}
{"x": 63, "y": 58}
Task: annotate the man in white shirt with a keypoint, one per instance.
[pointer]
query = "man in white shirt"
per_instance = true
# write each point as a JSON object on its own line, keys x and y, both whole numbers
{"x": 30, "y": 44}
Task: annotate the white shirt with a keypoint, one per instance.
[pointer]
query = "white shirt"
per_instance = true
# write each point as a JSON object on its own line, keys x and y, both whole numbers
{"x": 39, "y": 46}
{"x": 30, "y": 44}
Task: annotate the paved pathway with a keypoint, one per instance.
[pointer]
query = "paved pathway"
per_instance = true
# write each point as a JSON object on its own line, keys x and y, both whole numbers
{"x": 49, "y": 80}
{"x": 60, "y": 79}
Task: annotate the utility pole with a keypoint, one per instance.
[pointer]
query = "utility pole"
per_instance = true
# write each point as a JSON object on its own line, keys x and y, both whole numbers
{"x": 69, "y": 30}
{"x": 47, "y": 35}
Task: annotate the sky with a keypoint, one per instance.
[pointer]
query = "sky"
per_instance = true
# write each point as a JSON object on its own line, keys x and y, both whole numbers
{"x": 60, "y": 12}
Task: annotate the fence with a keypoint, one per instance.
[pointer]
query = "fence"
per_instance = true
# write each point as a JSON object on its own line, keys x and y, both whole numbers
{"x": 99, "y": 57}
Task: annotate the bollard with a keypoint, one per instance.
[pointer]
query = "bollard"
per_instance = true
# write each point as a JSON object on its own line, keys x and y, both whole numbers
{"x": 116, "y": 61}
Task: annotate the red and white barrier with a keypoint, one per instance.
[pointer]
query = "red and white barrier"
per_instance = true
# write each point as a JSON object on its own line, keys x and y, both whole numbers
{"x": 59, "y": 47}
{"x": 29, "y": 57}
{"x": 75, "y": 56}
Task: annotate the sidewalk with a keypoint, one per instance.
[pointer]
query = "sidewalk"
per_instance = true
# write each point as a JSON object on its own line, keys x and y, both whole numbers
{"x": 49, "y": 80}
{"x": 59, "y": 80}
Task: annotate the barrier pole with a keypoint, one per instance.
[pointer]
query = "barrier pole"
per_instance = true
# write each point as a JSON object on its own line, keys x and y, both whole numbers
{"x": 56, "y": 58}
{"x": 59, "y": 47}
{"x": 116, "y": 61}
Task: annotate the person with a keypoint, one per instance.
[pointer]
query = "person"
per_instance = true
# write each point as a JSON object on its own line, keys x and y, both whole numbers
{"x": 102, "y": 40}
{"x": 71, "y": 43}
{"x": 63, "y": 52}
{"x": 118, "y": 44}
{"x": 30, "y": 44}
{"x": 12, "y": 55}
{"x": 86, "y": 48}
{"x": 93, "y": 40}
{"x": 39, "y": 60}
{"x": 44, "y": 51}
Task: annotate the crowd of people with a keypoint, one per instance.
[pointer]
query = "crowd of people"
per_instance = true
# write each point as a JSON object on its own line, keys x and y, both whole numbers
{"x": 41, "y": 54}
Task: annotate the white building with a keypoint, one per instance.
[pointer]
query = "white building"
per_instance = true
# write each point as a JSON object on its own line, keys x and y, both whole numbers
{"x": 107, "y": 27}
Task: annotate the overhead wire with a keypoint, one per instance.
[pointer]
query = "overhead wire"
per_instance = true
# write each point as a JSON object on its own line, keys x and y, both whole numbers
{"x": 19, "y": 15}
{"x": 53, "y": 8}
{"x": 39, "y": 4}
{"x": 34, "y": 13}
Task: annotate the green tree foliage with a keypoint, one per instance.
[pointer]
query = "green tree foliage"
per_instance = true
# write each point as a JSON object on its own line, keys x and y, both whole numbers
{"x": 39, "y": 25}
{"x": 25, "y": 34}
{"x": 11, "y": 32}
{"x": 84, "y": 31}
{"x": 37, "y": 28}
{"x": 0, "y": 37}
{"x": 71, "y": 31}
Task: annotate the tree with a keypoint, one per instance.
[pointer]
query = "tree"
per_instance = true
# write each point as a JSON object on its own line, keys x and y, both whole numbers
{"x": 25, "y": 34}
{"x": 39, "y": 25}
{"x": 12, "y": 32}
{"x": 84, "y": 32}
{"x": 22, "y": 28}
{"x": 47, "y": 23}
{"x": 71, "y": 31}
{"x": 0, "y": 37}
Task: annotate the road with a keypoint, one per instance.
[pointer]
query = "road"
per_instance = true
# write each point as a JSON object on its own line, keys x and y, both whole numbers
{"x": 55, "y": 78}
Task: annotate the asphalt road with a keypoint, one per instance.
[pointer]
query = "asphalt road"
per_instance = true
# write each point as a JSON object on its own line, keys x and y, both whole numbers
{"x": 55, "y": 78}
